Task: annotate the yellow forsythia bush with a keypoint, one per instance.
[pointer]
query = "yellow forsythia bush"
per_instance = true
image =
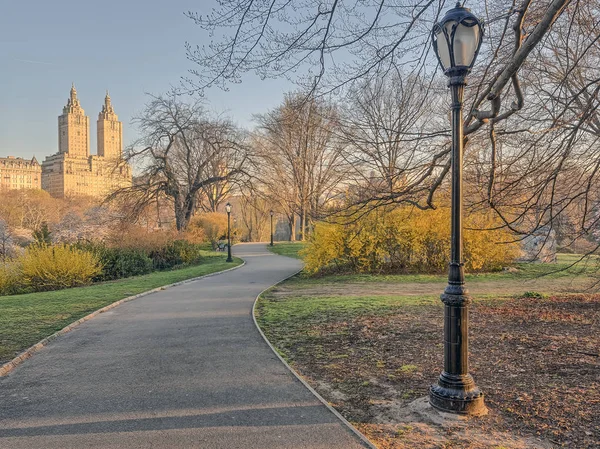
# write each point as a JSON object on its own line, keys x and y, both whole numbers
{"x": 46, "y": 267}
{"x": 405, "y": 240}
{"x": 10, "y": 277}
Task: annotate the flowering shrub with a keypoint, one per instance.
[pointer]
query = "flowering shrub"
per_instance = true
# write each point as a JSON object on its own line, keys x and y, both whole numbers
{"x": 405, "y": 240}
{"x": 46, "y": 267}
{"x": 10, "y": 278}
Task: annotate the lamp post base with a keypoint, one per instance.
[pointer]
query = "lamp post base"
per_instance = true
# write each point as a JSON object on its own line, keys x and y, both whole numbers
{"x": 457, "y": 394}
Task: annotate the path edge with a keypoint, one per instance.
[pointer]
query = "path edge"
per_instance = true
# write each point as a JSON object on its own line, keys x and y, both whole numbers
{"x": 29, "y": 352}
{"x": 344, "y": 421}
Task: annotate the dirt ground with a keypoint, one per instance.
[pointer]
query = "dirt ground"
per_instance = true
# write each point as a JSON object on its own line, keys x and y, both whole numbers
{"x": 536, "y": 359}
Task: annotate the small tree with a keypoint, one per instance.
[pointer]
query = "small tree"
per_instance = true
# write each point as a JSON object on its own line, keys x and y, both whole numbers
{"x": 42, "y": 235}
{"x": 6, "y": 242}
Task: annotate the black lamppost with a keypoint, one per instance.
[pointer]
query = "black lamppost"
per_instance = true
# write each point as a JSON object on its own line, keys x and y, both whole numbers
{"x": 456, "y": 41}
{"x": 228, "y": 209}
{"x": 271, "y": 228}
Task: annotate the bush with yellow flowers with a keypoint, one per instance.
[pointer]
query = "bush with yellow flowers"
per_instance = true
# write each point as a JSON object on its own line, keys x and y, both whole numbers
{"x": 406, "y": 239}
{"x": 53, "y": 267}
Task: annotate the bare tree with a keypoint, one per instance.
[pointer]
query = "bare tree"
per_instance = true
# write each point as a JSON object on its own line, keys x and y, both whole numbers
{"x": 303, "y": 164}
{"x": 211, "y": 196}
{"x": 545, "y": 160}
{"x": 280, "y": 38}
{"x": 391, "y": 131}
{"x": 254, "y": 210}
{"x": 177, "y": 153}
{"x": 533, "y": 97}
{"x": 334, "y": 45}
{"x": 6, "y": 242}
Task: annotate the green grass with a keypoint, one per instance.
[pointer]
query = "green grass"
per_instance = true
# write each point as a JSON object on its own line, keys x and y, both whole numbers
{"x": 303, "y": 300}
{"x": 26, "y": 319}
{"x": 524, "y": 271}
{"x": 296, "y": 309}
{"x": 289, "y": 249}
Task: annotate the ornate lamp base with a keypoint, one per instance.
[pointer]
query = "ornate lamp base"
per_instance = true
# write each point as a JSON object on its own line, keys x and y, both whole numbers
{"x": 457, "y": 394}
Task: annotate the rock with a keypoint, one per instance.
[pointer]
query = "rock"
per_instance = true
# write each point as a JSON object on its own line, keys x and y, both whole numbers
{"x": 539, "y": 246}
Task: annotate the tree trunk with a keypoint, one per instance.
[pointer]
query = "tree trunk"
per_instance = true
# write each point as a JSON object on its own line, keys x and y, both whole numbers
{"x": 184, "y": 210}
{"x": 302, "y": 218}
{"x": 292, "y": 221}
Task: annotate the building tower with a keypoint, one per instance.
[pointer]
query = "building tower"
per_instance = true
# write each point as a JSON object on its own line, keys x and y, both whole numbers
{"x": 110, "y": 132}
{"x": 73, "y": 128}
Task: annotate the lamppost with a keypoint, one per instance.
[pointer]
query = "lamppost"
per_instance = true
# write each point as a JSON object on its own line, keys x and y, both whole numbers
{"x": 271, "y": 228}
{"x": 228, "y": 209}
{"x": 456, "y": 41}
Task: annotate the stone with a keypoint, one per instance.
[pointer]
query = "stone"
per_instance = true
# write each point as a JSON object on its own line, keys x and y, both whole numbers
{"x": 539, "y": 246}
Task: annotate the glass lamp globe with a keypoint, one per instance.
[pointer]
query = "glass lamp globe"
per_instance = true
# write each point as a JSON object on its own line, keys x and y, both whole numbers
{"x": 456, "y": 40}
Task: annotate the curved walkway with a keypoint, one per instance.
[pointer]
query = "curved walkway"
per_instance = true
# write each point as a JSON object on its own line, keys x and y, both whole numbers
{"x": 182, "y": 368}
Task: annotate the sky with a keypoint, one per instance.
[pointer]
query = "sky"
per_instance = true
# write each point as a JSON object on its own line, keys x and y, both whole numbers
{"x": 130, "y": 47}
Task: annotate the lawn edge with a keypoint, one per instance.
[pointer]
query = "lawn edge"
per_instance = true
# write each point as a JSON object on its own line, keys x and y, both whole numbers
{"x": 7, "y": 367}
{"x": 337, "y": 414}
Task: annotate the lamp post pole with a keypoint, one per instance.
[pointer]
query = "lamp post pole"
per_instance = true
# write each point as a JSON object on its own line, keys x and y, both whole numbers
{"x": 228, "y": 208}
{"x": 271, "y": 228}
{"x": 457, "y": 39}
{"x": 456, "y": 390}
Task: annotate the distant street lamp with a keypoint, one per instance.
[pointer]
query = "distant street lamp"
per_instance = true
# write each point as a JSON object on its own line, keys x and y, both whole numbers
{"x": 228, "y": 209}
{"x": 271, "y": 228}
{"x": 456, "y": 41}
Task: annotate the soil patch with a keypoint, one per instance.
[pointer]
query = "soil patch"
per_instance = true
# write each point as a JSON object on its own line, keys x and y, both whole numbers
{"x": 536, "y": 359}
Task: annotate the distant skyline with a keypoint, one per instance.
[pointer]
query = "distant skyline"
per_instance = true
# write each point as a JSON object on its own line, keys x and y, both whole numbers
{"x": 130, "y": 48}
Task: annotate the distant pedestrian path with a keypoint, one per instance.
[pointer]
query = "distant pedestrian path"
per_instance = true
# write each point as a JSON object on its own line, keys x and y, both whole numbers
{"x": 182, "y": 368}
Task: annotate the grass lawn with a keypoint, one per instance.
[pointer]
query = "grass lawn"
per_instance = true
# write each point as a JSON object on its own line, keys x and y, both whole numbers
{"x": 521, "y": 278}
{"x": 373, "y": 344}
{"x": 289, "y": 249}
{"x": 26, "y": 319}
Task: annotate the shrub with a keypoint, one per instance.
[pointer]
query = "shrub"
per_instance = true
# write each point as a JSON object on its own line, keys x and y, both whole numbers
{"x": 119, "y": 263}
{"x": 212, "y": 224}
{"x": 405, "y": 240}
{"x": 10, "y": 278}
{"x": 176, "y": 253}
{"x": 165, "y": 257}
{"x": 132, "y": 236}
{"x": 46, "y": 267}
{"x": 188, "y": 252}
{"x": 129, "y": 261}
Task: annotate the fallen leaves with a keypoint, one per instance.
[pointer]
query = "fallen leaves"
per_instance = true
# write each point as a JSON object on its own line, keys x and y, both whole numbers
{"x": 536, "y": 359}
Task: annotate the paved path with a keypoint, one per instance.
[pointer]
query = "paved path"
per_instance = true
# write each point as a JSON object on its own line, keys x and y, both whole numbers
{"x": 183, "y": 368}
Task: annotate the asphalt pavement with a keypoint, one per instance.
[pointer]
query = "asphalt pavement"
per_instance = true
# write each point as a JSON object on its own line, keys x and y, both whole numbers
{"x": 180, "y": 368}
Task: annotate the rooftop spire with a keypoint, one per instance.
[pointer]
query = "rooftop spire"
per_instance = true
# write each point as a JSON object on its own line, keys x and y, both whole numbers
{"x": 107, "y": 109}
{"x": 73, "y": 101}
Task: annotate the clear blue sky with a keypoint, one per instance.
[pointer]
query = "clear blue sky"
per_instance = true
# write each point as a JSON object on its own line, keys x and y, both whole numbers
{"x": 128, "y": 47}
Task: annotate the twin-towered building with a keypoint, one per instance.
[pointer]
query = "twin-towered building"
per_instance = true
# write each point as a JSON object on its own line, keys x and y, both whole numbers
{"x": 73, "y": 171}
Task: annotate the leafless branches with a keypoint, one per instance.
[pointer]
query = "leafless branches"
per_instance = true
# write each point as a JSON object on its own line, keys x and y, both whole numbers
{"x": 301, "y": 157}
{"x": 531, "y": 123}
{"x": 182, "y": 151}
